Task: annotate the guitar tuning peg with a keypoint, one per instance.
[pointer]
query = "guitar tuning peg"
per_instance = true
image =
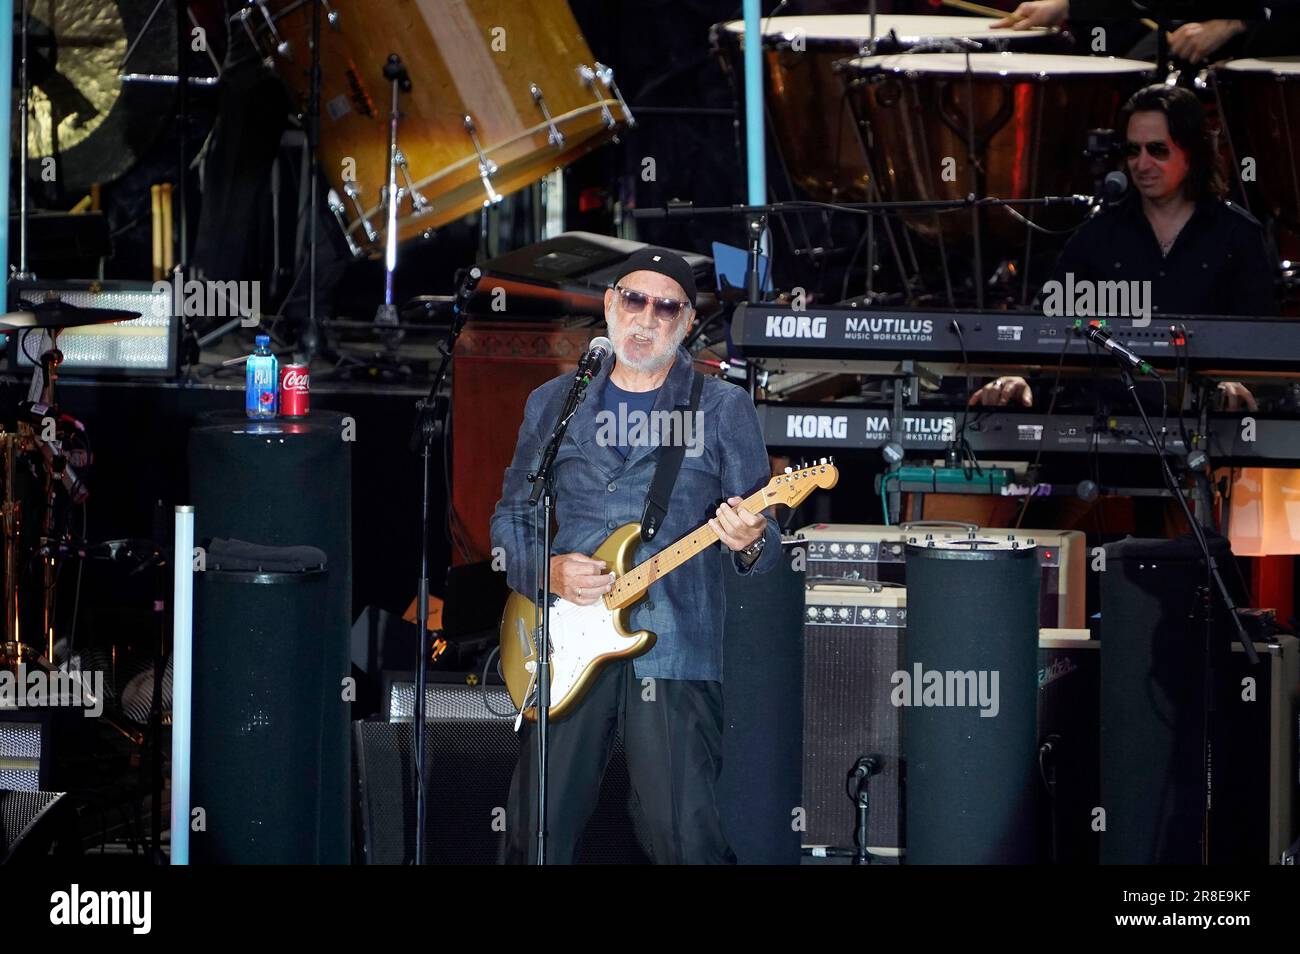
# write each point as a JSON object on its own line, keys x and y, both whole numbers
{"x": 789, "y": 470}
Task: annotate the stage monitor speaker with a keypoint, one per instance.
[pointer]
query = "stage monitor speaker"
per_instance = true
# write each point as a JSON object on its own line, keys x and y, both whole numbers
{"x": 857, "y": 552}
{"x": 470, "y": 757}
{"x": 31, "y": 823}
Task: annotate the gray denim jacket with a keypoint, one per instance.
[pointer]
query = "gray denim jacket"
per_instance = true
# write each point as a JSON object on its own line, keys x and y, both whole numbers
{"x": 597, "y": 490}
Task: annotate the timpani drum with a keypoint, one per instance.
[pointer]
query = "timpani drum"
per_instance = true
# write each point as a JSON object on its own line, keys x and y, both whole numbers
{"x": 810, "y": 120}
{"x": 500, "y": 94}
{"x": 1262, "y": 104}
{"x": 1026, "y": 112}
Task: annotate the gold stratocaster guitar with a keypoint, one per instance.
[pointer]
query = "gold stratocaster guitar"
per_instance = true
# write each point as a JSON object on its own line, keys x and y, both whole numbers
{"x": 586, "y": 638}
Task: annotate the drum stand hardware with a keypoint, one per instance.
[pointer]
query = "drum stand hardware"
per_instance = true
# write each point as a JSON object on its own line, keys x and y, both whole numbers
{"x": 486, "y": 167}
{"x": 353, "y": 192}
{"x": 340, "y": 215}
{"x": 553, "y": 135}
{"x": 419, "y": 204}
{"x": 400, "y": 82}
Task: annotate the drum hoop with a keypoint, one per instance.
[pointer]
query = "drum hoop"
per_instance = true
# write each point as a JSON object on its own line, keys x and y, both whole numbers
{"x": 903, "y": 64}
{"x": 473, "y": 159}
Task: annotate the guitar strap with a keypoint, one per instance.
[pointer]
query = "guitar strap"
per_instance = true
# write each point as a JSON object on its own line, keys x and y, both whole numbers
{"x": 669, "y": 463}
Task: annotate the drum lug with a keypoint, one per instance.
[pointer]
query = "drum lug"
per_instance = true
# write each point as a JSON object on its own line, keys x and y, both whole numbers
{"x": 588, "y": 76}
{"x": 281, "y": 46}
{"x": 486, "y": 167}
{"x": 419, "y": 204}
{"x": 554, "y": 136}
{"x": 331, "y": 15}
{"x": 606, "y": 75}
{"x": 353, "y": 192}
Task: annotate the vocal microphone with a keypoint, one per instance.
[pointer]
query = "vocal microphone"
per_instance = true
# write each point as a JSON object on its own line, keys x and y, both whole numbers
{"x": 1098, "y": 335}
{"x": 1113, "y": 186}
{"x": 599, "y": 349}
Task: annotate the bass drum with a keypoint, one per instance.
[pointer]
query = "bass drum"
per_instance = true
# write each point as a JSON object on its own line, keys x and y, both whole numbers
{"x": 500, "y": 94}
{"x": 1028, "y": 113}
{"x": 810, "y": 121}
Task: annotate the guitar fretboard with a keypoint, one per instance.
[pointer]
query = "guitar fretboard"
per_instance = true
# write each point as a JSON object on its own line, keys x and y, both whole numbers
{"x": 629, "y": 587}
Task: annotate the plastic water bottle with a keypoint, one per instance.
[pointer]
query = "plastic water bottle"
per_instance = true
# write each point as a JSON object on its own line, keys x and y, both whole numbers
{"x": 261, "y": 380}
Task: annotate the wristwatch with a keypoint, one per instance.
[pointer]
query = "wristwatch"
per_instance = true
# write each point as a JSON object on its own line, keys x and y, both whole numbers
{"x": 751, "y": 552}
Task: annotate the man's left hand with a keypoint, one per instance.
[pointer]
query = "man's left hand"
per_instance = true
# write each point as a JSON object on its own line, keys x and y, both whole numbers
{"x": 1195, "y": 42}
{"x": 736, "y": 526}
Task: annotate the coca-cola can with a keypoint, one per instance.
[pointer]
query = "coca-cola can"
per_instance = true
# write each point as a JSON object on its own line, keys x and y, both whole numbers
{"x": 295, "y": 390}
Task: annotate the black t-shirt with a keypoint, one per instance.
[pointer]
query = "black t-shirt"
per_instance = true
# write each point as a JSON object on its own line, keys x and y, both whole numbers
{"x": 1219, "y": 263}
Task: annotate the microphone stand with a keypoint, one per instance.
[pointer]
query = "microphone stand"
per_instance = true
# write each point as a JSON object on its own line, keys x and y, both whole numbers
{"x": 543, "y": 481}
{"x": 430, "y": 425}
{"x": 1213, "y": 582}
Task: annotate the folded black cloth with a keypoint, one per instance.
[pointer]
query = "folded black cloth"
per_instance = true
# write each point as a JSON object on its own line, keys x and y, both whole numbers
{"x": 242, "y": 555}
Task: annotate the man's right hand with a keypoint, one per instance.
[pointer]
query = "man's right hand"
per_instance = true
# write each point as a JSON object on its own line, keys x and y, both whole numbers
{"x": 1036, "y": 13}
{"x": 1002, "y": 392}
{"x": 580, "y": 579}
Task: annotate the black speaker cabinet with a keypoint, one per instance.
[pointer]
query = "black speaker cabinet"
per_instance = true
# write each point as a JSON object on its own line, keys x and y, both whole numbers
{"x": 271, "y": 650}
{"x": 31, "y": 823}
{"x": 470, "y": 757}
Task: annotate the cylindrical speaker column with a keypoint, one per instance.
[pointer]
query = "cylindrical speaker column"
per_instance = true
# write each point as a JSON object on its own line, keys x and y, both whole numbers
{"x": 271, "y": 752}
{"x": 970, "y": 695}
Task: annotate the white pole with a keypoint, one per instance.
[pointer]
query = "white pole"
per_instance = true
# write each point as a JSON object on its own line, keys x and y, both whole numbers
{"x": 182, "y": 681}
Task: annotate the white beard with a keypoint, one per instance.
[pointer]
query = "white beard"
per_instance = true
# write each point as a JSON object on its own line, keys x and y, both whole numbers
{"x": 653, "y": 364}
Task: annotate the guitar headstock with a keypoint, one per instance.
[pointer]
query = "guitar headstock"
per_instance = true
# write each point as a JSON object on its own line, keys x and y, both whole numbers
{"x": 792, "y": 487}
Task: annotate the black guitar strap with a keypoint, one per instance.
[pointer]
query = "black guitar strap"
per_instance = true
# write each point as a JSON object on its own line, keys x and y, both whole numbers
{"x": 669, "y": 463}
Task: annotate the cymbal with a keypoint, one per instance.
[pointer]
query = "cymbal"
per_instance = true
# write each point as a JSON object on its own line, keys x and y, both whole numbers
{"x": 57, "y": 314}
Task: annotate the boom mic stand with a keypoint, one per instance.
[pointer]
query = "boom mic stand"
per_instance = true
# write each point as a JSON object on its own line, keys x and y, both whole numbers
{"x": 431, "y": 424}
{"x": 543, "y": 481}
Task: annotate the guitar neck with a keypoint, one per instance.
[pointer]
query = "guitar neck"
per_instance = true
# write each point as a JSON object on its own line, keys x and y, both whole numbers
{"x": 632, "y": 584}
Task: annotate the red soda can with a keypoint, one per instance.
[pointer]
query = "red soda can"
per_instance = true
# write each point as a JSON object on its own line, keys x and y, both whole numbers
{"x": 295, "y": 390}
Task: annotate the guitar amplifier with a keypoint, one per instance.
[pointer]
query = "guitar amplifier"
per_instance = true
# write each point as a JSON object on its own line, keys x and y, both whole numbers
{"x": 853, "y": 644}
{"x": 862, "y": 552}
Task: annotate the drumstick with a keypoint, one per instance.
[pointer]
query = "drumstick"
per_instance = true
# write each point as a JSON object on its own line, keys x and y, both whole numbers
{"x": 984, "y": 11}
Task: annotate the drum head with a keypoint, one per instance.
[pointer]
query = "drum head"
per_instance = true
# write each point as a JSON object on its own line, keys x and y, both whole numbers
{"x": 1278, "y": 66}
{"x": 1027, "y": 65}
{"x": 850, "y": 31}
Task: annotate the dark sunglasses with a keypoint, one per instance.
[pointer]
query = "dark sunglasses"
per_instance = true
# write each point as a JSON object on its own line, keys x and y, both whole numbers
{"x": 1156, "y": 150}
{"x": 635, "y": 302}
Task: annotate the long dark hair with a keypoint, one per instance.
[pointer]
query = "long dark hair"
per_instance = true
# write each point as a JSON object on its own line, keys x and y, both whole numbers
{"x": 1188, "y": 129}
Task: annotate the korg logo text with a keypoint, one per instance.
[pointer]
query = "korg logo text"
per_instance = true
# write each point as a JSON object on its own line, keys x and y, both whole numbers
{"x": 795, "y": 326}
{"x": 824, "y": 426}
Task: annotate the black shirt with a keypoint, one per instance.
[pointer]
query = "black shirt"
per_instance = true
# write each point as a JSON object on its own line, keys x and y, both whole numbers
{"x": 1219, "y": 263}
